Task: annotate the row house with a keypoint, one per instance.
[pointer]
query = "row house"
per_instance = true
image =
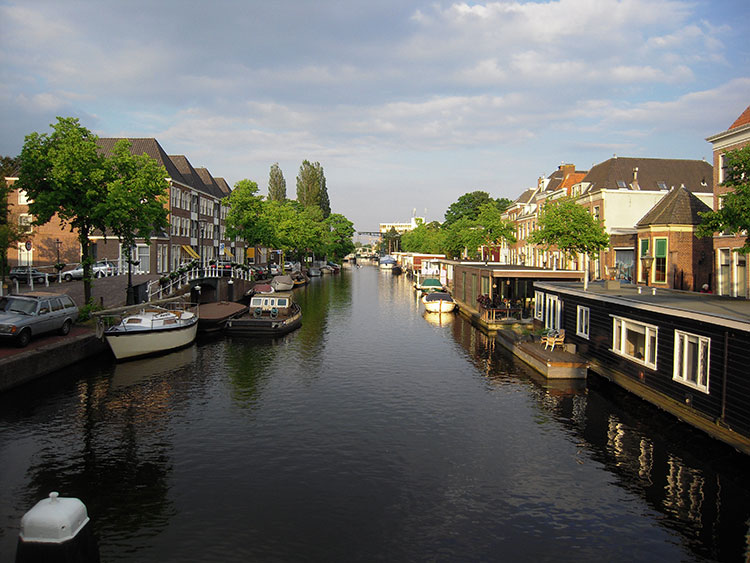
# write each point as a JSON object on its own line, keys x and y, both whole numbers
{"x": 197, "y": 217}
{"x": 619, "y": 192}
{"x": 729, "y": 265}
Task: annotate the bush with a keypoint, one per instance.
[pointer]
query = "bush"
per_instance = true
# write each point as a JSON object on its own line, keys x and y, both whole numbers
{"x": 84, "y": 313}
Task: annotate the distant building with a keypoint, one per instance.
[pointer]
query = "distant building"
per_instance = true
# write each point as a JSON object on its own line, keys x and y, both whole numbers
{"x": 402, "y": 227}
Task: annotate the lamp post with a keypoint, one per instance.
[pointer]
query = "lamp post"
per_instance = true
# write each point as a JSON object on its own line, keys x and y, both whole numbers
{"x": 58, "y": 265}
{"x": 201, "y": 233}
{"x": 646, "y": 261}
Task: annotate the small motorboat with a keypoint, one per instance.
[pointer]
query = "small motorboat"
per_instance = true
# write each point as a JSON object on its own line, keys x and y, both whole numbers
{"x": 282, "y": 283}
{"x": 429, "y": 285}
{"x": 151, "y": 330}
{"x": 314, "y": 272}
{"x": 438, "y": 302}
{"x": 387, "y": 262}
{"x": 271, "y": 314}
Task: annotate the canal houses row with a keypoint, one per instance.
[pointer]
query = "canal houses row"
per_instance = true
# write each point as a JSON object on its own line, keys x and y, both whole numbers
{"x": 197, "y": 215}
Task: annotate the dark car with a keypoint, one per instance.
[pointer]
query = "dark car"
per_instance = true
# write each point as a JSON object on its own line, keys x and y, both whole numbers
{"x": 221, "y": 268}
{"x": 30, "y": 314}
{"x": 21, "y": 274}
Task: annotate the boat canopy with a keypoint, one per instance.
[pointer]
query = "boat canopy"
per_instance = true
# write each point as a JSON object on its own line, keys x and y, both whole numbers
{"x": 438, "y": 296}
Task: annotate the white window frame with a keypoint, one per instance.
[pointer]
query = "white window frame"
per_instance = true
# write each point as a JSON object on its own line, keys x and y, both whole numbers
{"x": 620, "y": 327}
{"x": 681, "y": 338}
{"x": 583, "y": 316}
{"x": 539, "y": 305}
{"x": 552, "y": 312}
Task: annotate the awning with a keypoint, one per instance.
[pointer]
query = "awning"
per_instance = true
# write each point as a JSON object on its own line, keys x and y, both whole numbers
{"x": 226, "y": 251}
{"x": 192, "y": 253}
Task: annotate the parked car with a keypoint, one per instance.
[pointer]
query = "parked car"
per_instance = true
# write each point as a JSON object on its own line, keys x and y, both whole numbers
{"x": 224, "y": 268}
{"x": 98, "y": 270}
{"x": 21, "y": 273}
{"x": 31, "y": 314}
{"x": 274, "y": 269}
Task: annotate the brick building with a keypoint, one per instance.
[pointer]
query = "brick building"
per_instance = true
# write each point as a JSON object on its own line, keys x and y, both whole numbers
{"x": 730, "y": 266}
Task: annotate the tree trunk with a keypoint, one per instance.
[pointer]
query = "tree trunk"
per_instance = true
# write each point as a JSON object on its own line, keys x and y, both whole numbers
{"x": 83, "y": 238}
{"x": 585, "y": 271}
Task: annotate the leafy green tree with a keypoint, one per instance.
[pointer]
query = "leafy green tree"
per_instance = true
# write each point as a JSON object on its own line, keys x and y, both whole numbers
{"x": 571, "y": 228}
{"x": 468, "y": 206}
{"x": 391, "y": 242}
{"x": 340, "y": 233}
{"x": 734, "y": 212}
{"x": 246, "y": 217}
{"x": 137, "y": 197}
{"x": 64, "y": 173}
{"x": 311, "y": 187}
{"x": 426, "y": 238}
{"x": 10, "y": 234}
{"x": 463, "y": 238}
{"x": 276, "y": 184}
{"x": 495, "y": 230}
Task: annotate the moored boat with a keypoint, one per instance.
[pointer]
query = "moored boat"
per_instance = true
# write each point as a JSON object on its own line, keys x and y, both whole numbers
{"x": 429, "y": 285}
{"x": 269, "y": 314}
{"x": 314, "y": 272}
{"x": 438, "y": 302}
{"x": 213, "y": 316}
{"x": 282, "y": 283}
{"x": 151, "y": 330}
{"x": 387, "y": 262}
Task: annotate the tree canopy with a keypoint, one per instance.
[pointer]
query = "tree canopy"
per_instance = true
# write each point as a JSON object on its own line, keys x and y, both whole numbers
{"x": 245, "y": 217}
{"x": 427, "y": 238}
{"x": 733, "y": 214}
{"x": 64, "y": 173}
{"x": 468, "y": 206}
{"x": 276, "y": 184}
{"x": 570, "y": 227}
{"x": 311, "y": 187}
{"x": 339, "y": 235}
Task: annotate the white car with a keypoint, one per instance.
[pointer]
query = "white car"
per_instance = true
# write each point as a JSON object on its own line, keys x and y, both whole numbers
{"x": 98, "y": 270}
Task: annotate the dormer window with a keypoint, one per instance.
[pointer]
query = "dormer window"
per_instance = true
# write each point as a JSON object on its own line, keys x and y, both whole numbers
{"x": 621, "y": 184}
{"x": 662, "y": 185}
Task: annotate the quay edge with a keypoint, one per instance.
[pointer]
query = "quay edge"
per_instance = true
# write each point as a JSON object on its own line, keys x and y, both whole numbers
{"x": 48, "y": 357}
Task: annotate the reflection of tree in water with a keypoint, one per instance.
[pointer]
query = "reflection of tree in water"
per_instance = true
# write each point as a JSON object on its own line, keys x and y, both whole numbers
{"x": 319, "y": 300}
{"x": 248, "y": 363}
{"x": 699, "y": 484}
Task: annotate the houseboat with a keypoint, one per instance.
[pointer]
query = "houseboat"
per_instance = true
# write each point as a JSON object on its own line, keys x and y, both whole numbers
{"x": 270, "y": 314}
{"x": 687, "y": 353}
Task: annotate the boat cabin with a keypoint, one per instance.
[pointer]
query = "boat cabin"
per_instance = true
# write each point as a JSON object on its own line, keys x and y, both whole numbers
{"x": 271, "y": 303}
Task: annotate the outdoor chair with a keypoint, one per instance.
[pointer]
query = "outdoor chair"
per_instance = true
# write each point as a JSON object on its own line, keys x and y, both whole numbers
{"x": 554, "y": 339}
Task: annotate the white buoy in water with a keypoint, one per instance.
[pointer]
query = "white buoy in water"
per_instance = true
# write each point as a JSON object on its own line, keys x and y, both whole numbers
{"x": 56, "y": 529}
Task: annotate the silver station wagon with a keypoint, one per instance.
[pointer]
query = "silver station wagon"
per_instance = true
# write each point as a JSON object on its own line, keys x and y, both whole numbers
{"x": 30, "y": 314}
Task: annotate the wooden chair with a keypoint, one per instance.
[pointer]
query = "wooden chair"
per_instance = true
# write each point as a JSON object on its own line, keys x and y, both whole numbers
{"x": 553, "y": 340}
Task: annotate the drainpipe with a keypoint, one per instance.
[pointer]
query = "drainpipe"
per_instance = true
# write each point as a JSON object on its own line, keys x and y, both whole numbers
{"x": 724, "y": 382}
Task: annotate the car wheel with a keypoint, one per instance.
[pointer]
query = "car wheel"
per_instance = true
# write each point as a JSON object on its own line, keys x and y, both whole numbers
{"x": 67, "y": 277}
{"x": 24, "y": 338}
{"x": 39, "y": 280}
{"x": 65, "y": 328}
{"x": 98, "y": 274}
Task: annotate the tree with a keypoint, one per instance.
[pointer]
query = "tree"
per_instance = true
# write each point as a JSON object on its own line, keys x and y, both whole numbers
{"x": 276, "y": 184}
{"x": 391, "y": 241}
{"x": 427, "y": 238}
{"x": 246, "y": 217}
{"x": 340, "y": 233}
{"x": 136, "y": 204}
{"x": 733, "y": 214}
{"x": 463, "y": 237}
{"x": 571, "y": 228}
{"x": 10, "y": 233}
{"x": 468, "y": 206}
{"x": 311, "y": 187}
{"x": 63, "y": 173}
{"x": 494, "y": 229}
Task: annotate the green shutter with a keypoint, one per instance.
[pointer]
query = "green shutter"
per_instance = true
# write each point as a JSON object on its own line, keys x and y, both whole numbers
{"x": 660, "y": 248}
{"x": 644, "y": 246}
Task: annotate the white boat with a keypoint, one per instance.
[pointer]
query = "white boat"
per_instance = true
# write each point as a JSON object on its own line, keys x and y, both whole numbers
{"x": 282, "y": 283}
{"x": 150, "y": 331}
{"x": 438, "y": 302}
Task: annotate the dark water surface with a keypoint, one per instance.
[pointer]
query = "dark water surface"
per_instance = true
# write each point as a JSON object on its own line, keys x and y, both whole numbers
{"x": 375, "y": 432}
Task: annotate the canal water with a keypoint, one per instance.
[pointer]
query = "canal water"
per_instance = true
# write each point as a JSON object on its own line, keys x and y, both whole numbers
{"x": 376, "y": 432}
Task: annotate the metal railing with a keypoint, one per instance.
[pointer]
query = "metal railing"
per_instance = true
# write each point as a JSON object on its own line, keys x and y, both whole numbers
{"x": 159, "y": 289}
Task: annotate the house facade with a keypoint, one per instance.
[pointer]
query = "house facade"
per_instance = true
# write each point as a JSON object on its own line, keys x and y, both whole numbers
{"x": 197, "y": 215}
{"x": 730, "y": 267}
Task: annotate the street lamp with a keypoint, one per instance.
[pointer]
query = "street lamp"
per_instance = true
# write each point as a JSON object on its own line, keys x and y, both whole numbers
{"x": 647, "y": 260}
{"x": 201, "y": 234}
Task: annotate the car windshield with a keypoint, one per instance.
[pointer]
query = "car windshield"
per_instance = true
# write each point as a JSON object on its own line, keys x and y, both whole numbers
{"x": 11, "y": 305}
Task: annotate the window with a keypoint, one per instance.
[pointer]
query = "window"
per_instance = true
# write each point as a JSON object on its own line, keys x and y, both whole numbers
{"x": 644, "y": 252}
{"x": 582, "y": 322}
{"x": 22, "y": 199}
{"x": 24, "y": 222}
{"x": 634, "y": 340}
{"x": 596, "y": 212}
{"x": 621, "y": 184}
{"x": 722, "y": 168}
{"x": 552, "y": 312}
{"x": 691, "y": 360}
{"x": 538, "y": 305}
{"x": 660, "y": 260}
{"x": 662, "y": 186}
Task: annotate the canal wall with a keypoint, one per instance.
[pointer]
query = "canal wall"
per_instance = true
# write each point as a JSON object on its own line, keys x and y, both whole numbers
{"x": 48, "y": 357}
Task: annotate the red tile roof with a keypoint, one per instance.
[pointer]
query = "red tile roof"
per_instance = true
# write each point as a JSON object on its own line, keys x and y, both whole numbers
{"x": 743, "y": 119}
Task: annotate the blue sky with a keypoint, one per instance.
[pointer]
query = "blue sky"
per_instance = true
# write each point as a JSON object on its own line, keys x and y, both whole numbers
{"x": 407, "y": 105}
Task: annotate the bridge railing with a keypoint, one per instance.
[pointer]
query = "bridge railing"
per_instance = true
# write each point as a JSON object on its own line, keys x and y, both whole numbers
{"x": 158, "y": 289}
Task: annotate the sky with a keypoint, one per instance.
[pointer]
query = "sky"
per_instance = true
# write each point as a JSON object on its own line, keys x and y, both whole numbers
{"x": 406, "y": 105}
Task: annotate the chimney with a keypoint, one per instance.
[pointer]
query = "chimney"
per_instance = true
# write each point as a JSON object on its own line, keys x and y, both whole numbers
{"x": 635, "y": 184}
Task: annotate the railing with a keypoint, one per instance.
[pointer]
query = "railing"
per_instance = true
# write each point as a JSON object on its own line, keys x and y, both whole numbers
{"x": 493, "y": 315}
{"x": 156, "y": 289}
